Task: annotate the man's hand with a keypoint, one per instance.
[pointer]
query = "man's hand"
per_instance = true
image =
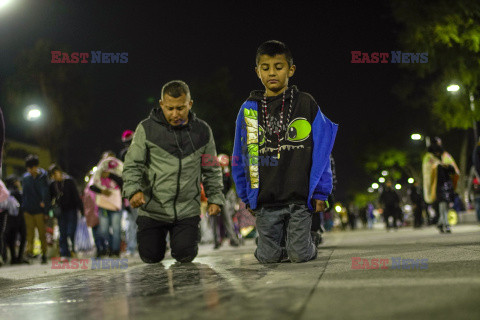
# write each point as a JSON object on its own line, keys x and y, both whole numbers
{"x": 213, "y": 209}
{"x": 106, "y": 192}
{"x": 320, "y": 205}
{"x": 137, "y": 200}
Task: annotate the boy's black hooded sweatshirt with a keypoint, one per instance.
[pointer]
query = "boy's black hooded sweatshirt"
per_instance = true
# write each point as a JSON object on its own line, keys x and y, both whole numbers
{"x": 286, "y": 180}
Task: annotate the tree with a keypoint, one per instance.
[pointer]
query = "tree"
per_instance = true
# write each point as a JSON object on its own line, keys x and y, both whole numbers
{"x": 399, "y": 164}
{"x": 450, "y": 32}
{"x": 60, "y": 89}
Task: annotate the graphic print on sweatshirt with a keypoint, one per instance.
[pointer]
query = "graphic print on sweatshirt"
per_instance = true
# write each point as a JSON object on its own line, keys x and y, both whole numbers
{"x": 291, "y": 135}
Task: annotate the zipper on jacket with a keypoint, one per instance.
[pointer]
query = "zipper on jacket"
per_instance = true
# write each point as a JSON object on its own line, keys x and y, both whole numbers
{"x": 151, "y": 191}
{"x": 178, "y": 185}
{"x": 198, "y": 192}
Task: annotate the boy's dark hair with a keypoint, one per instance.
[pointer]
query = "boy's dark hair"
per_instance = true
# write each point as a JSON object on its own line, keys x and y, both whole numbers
{"x": 32, "y": 161}
{"x": 272, "y": 48}
{"x": 54, "y": 167}
{"x": 175, "y": 89}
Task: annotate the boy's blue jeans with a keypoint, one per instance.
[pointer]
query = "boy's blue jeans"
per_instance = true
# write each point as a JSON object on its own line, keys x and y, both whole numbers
{"x": 284, "y": 232}
{"x": 111, "y": 219}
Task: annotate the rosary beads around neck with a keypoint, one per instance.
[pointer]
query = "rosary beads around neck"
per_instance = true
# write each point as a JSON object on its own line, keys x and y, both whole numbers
{"x": 269, "y": 125}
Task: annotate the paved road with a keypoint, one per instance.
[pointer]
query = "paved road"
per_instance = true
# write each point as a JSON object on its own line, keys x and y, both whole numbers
{"x": 439, "y": 278}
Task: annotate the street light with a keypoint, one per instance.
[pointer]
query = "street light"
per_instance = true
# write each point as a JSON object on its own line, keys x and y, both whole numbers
{"x": 411, "y": 180}
{"x": 4, "y": 3}
{"x": 453, "y": 88}
{"x": 398, "y": 186}
{"x": 381, "y": 179}
{"x": 416, "y": 136}
{"x": 32, "y": 112}
{"x": 338, "y": 208}
{"x": 384, "y": 173}
{"x": 375, "y": 186}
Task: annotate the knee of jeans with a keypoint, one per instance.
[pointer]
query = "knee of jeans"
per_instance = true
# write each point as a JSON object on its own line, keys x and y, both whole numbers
{"x": 268, "y": 257}
{"x": 151, "y": 258}
{"x": 185, "y": 255}
{"x": 297, "y": 257}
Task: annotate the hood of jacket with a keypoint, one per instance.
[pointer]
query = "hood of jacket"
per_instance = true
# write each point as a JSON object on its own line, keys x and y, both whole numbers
{"x": 157, "y": 115}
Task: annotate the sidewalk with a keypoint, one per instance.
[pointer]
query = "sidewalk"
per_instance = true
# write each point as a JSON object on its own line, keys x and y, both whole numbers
{"x": 230, "y": 284}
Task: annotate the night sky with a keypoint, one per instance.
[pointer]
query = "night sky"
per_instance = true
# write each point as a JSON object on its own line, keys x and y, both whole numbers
{"x": 191, "y": 40}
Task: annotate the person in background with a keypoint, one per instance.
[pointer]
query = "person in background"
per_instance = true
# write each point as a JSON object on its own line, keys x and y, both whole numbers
{"x": 36, "y": 200}
{"x": 131, "y": 213}
{"x": 64, "y": 193}
{"x": 476, "y": 195}
{"x": 225, "y": 218}
{"x": 91, "y": 217}
{"x": 4, "y": 211}
{"x": 391, "y": 202}
{"x": 418, "y": 204}
{"x": 440, "y": 173}
{"x": 370, "y": 215}
{"x": 16, "y": 223}
{"x": 107, "y": 183}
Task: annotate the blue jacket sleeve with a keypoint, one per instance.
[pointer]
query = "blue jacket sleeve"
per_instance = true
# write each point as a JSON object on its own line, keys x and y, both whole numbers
{"x": 324, "y": 133}
{"x": 324, "y": 186}
{"x": 238, "y": 171}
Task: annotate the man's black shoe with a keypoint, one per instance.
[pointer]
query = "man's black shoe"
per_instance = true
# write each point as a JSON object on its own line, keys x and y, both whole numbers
{"x": 44, "y": 259}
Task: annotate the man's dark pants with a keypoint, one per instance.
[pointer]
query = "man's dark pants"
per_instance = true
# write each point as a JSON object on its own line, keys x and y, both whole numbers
{"x": 152, "y": 234}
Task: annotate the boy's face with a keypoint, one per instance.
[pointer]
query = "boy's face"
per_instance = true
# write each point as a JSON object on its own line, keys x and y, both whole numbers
{"x": 176, "y": 109}
{"x": 274, "y": 73}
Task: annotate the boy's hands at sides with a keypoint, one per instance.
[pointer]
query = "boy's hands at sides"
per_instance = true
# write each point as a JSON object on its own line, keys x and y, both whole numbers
{"x": 213, "y": 209}
{"x": 320, "y": 205}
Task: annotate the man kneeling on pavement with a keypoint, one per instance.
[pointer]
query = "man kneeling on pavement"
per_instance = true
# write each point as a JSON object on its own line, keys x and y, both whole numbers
{"x": 162, "y": 175}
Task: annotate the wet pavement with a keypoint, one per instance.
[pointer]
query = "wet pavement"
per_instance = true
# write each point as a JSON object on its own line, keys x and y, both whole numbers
{"x": 230, "y": 284}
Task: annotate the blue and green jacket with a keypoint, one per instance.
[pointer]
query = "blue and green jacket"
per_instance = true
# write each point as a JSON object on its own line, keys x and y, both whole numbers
{"x": 245, "y": 163}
